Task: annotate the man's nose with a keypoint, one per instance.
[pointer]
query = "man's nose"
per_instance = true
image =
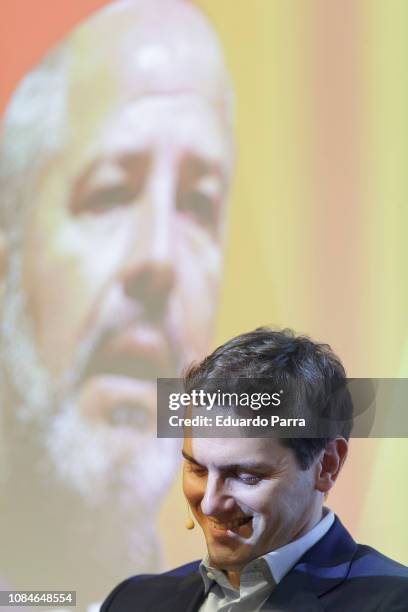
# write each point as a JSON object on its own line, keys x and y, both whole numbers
{"x": 149, "y": 274}
{"x": 217, "y": 499}
{"x": 150, "y": 282}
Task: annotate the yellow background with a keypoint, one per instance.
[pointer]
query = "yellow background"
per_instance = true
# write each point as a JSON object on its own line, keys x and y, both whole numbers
{"x": 318, "y": 216}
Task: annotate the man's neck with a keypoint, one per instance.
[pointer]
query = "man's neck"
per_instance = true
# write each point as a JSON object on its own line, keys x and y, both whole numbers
{"x": 234, "y": 578}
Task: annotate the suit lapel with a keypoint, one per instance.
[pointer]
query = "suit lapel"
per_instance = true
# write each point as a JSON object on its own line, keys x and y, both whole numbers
{"x": 188, "y": 595}
{"x": 292, "y": 594}
{"x": 321, "y": 569}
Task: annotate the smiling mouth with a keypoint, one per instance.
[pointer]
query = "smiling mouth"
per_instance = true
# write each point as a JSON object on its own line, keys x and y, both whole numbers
{"x": 230, "y": 525}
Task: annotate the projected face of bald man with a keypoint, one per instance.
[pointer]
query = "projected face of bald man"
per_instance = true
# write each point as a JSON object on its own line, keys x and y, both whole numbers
{"x": 121, "y": 259}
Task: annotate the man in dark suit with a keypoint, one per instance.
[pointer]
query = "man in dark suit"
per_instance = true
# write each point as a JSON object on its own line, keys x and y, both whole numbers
{"x": 272, "y": 545}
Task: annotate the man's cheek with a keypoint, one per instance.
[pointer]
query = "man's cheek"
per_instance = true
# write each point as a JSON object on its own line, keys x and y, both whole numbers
{"x": 86, "y": 240}
{"x": 196, "y": 243}
{"x": 199, "y": 277}
{"x": 57, "y": 303}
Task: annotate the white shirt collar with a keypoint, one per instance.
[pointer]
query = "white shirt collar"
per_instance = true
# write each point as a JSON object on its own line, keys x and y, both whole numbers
{"x": 279, "y": 561}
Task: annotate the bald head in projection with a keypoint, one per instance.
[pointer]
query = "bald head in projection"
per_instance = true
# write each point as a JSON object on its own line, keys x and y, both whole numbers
{"x": 115, "y": 164}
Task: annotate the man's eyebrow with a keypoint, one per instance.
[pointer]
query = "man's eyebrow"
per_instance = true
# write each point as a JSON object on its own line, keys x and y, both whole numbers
{"x": 233, "y": 467}
{"x": 249, "y": 465}
{"x": 189, "y": 457}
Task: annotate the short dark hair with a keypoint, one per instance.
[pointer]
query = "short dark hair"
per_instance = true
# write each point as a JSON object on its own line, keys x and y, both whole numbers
{"x": 309, "y": 367}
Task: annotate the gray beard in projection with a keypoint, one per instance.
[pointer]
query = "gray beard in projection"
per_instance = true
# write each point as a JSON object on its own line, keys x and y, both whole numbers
{"x": 75, "y": 509}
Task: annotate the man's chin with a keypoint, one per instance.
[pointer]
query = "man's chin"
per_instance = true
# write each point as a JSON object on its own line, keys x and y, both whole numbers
{"x": 228, "y": 562}
{"x": 120, "y": 403}
{"x": 104, "y": 461}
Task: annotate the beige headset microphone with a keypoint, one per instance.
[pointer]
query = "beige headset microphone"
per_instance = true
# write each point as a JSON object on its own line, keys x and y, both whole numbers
{"x": 190, "y": 524}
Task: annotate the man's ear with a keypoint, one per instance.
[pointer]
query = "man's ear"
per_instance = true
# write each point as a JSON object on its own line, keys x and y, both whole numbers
{"x": 330, "y": 463}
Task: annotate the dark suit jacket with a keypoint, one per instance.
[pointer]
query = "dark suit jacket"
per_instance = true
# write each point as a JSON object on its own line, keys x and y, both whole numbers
{"x": 335, "y": 575}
